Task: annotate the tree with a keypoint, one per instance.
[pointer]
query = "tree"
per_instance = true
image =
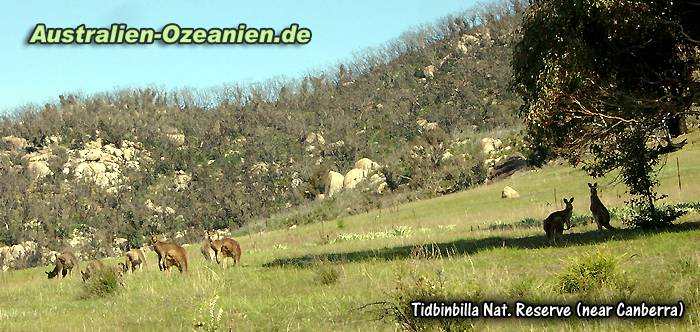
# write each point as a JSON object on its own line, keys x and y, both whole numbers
{"x": 603, "y": 81}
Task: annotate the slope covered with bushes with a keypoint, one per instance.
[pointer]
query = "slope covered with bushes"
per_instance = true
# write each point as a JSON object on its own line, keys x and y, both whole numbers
{"x": 126, "y": 163}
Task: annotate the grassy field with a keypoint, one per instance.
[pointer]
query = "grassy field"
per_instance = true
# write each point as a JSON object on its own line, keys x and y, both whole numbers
{"x": 319, "y": 277}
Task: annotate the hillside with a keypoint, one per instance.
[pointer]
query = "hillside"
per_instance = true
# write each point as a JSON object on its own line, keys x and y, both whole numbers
{"x": 321, "y": 276}
{"x": 100, "y": 172}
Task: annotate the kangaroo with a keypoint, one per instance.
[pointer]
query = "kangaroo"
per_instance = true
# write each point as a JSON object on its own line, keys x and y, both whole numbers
{"x": 600, "y": 213}
{"x": 91, "y": 268}
{"x": 206, "y": 249}
{"x": 64, "y": 265}
{"x": 224, "y": 248}
{"x": 554, "y": 224}
{"x": 161, "y": 248}
{"x": 134, "y": 258}
{"x": 57, "y": 270}
{"x": 176, "y": 256}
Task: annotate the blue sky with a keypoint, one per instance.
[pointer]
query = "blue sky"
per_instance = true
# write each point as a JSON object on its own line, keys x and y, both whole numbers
{"x": 39, "y": 73}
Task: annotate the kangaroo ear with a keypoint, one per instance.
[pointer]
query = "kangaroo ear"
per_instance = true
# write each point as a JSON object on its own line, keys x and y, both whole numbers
{"x": 595, "y": 185}
{"x": 590, "y": 185}
{"x": 571, "y": 200}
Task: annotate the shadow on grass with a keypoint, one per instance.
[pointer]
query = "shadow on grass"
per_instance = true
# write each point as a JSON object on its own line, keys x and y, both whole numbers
{"x": 472, "y": 246}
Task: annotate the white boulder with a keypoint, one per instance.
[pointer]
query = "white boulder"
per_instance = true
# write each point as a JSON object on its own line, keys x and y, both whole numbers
{"x": 509, "y": 192}
{"x": 334, "y": 183}
{"x": 353, "y": 177}
{"x": 366, "y": 164}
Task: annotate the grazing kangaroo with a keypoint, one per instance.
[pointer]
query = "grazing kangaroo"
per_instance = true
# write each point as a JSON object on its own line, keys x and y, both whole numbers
{"x": 91, "y": 268}
{"x": 224, "y": 248}
{"x": 161, "y": 248}
{"x": 600, "y": 213}
{"x": 64, "y": 265}
{"x": 176, "y": 256}
{"x": 554, "y": 224}
{"x": 134, "y": 258}
{"x": 206, "y": 249}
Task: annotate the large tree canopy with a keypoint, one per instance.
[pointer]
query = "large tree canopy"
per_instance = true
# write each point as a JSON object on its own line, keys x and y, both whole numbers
{"x": 601, "y": 79}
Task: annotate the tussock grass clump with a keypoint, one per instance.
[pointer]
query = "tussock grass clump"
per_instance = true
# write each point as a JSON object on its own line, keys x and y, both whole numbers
{"x": 686, "y": 266}
{"x": 326, "y": 273}
{"x": 523, "y": 289}
{"x": 426, "y": 252}
{"x": 591, "y": 272}
{"x": 421, "y": 286}
{"x": 102, "y": 283}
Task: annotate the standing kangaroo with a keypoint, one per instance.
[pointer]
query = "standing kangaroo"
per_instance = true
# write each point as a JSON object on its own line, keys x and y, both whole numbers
{"x": 224, "y": 248}
{"x": 161, "y": 248}
{"x": 554, "y": 224}
{"x": 134, "y": 258}
{"x": 91, "y": 268}
{"x": 64, "y": 265}
{"x": 600, "y": 213}
{"x": 206, "y": 249}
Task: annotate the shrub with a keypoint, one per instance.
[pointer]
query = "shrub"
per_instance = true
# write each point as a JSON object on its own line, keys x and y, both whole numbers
{"x": 589, "y": 272}
{"x": 326, "y": 272}
{"x": 415, "y": 286}
{"x": 641, "y": 215}
{"x": 688, "y": 207}
{"x": 102, "y": 283}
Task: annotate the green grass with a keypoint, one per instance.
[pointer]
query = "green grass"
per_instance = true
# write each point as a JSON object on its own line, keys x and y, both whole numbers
{"x": 315, "y": 277}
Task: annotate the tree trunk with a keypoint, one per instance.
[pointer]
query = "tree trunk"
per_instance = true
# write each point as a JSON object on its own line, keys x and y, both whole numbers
{"x": 677, "y": 126}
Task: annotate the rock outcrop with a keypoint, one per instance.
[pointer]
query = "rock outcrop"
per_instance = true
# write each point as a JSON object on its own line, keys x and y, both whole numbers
{"x": 366, "y": 164}
{"x": 21, "y": 255}
{"x": 429, "y": 71}
{"x": 15, "y": 143}
{"x": 490, "y": 146}
{"x": 314, "y": 138}
{"x": 103, "y": 164}
{"x": 39, "y": 169}
{"x": 508, "y": 167}
{"x": 353, "y": 177}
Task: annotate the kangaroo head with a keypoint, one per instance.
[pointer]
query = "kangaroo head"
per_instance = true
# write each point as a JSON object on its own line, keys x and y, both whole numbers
{"x": 594, "y": 188}
{"x": 154, "y": 238}
{"x": 568, "y": 203}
